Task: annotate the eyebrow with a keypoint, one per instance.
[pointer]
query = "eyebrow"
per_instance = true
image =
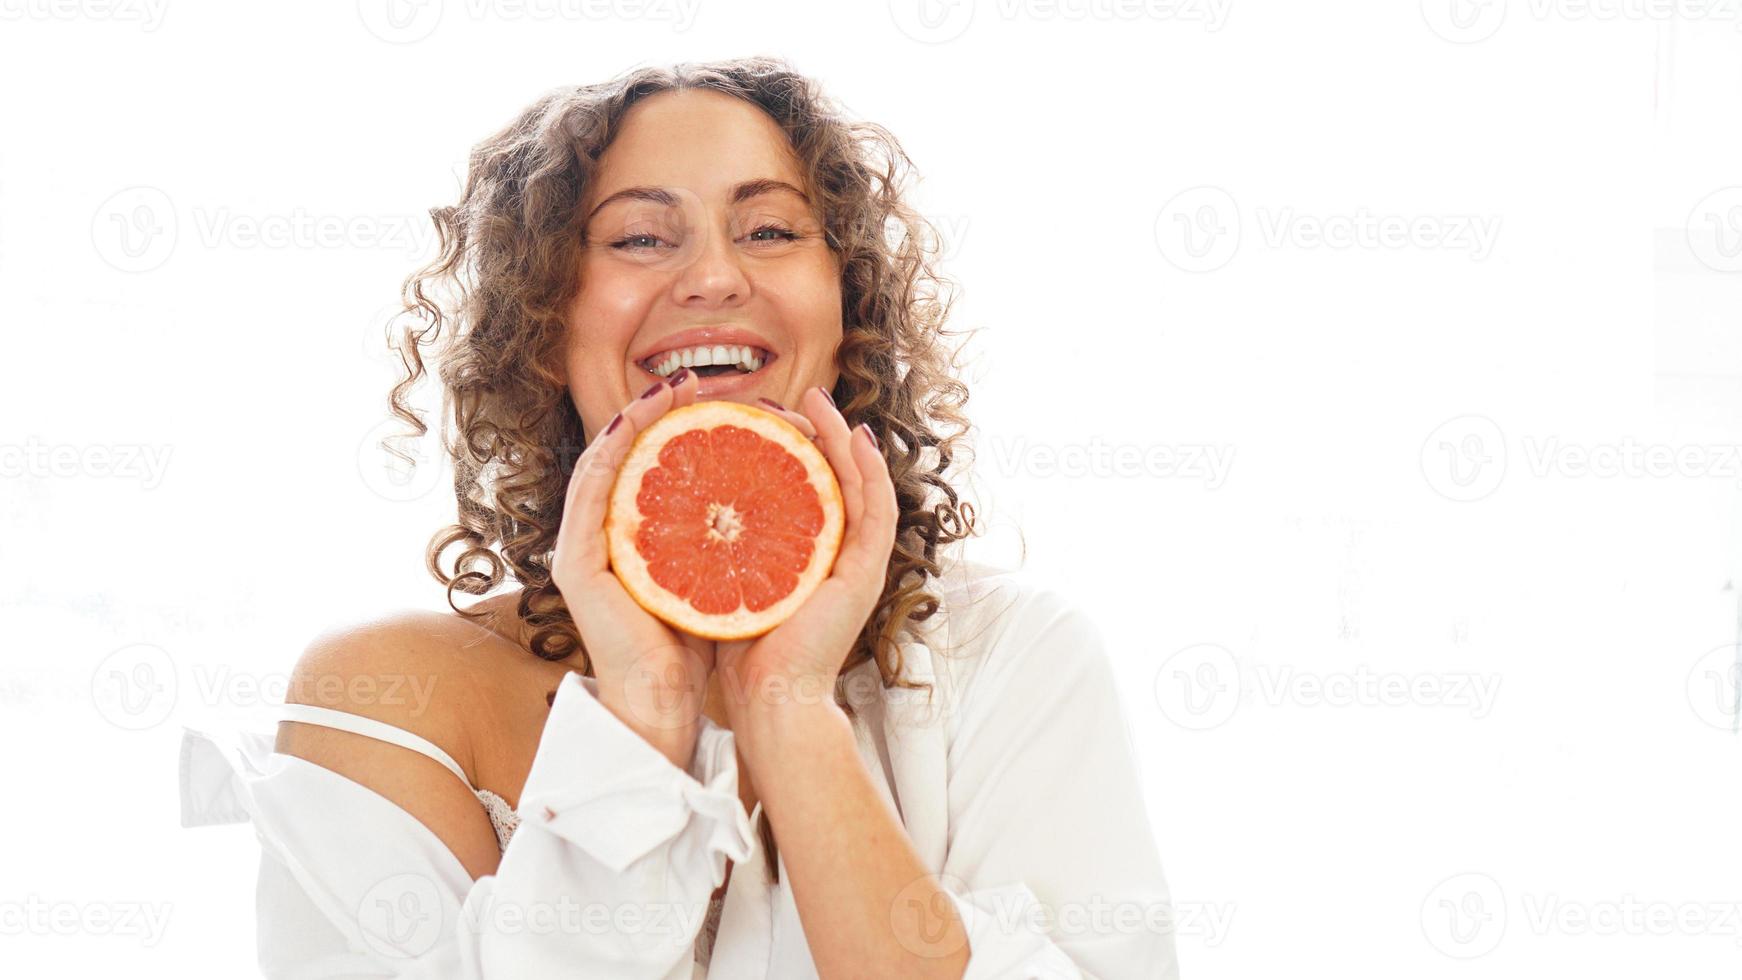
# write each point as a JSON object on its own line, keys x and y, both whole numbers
{"x": 659, "y": 195}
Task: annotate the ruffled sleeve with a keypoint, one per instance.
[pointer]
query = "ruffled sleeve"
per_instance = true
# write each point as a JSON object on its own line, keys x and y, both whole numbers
{"x": 608, "y": 874}
{"x": 1052, "y": 863}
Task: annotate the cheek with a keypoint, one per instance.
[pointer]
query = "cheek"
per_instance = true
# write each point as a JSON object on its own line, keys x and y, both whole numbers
{"x": 602, "y": 323}
{"x": 606, "y": 314}
{"x": 812, "y": 301}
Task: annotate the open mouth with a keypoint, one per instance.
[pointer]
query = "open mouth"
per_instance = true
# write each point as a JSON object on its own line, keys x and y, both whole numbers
{"x": 715, "y": 370}
{"x": 709, "y": 362}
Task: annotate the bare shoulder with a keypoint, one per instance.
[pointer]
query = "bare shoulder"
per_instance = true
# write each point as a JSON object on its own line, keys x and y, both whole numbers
{"x": 407, "y": 668}
{"x": 436, "y": 675}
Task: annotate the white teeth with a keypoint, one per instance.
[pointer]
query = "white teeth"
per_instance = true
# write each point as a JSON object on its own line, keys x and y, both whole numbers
{"x": 743, "y": 356}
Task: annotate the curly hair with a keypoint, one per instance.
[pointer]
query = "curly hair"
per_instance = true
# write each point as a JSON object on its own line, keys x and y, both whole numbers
{"x": 490, "y": 309}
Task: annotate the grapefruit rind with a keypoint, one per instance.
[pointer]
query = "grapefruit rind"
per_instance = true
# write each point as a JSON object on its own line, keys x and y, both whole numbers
{"x": 623, "y": 520}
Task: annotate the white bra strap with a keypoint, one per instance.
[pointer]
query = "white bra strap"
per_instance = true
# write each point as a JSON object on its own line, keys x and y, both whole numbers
{"x": 370, "y": 728}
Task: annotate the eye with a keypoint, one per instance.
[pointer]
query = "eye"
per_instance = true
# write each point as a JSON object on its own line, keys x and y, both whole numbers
{"x": 627, "y": 241}
{"x": 644, "y": 241}
{"x": 780, "y": 234}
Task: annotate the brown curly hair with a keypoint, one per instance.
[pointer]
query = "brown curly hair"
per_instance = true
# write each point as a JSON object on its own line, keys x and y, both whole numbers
{"x": 508, "y": 267}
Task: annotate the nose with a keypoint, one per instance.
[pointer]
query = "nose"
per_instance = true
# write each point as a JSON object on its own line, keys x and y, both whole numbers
{"x": 714, "y": 276}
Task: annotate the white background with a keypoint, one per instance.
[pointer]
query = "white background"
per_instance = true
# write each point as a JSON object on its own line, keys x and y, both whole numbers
{"x": 1434, "y": 679}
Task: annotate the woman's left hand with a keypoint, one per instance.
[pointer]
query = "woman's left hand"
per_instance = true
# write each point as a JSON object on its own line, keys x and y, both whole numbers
{"x": 805, "y": 653}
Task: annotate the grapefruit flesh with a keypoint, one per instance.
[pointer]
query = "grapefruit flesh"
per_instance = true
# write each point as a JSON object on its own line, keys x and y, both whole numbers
{"x": 723, "y": 519}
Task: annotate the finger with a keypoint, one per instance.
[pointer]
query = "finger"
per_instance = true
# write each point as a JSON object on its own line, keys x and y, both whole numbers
{"x": 835, "y": 441}
{"x": 867, "y": 554}
{"x": 797, "y": 419}
{"x": 685, "y": 386}
{"x": 580, "y": 537}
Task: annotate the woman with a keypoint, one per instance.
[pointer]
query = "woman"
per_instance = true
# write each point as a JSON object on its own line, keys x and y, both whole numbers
{"x": 576, "y": 793}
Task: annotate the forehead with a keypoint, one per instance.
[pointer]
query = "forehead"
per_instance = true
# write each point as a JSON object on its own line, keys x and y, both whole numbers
{"x": 699, "y": 140}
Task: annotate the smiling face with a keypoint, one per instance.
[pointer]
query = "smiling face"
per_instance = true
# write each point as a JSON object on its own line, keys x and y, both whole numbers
{"x": 700, "y": 233}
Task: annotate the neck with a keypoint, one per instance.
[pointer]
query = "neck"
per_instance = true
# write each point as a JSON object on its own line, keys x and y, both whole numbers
{"x": 714, "y": 702}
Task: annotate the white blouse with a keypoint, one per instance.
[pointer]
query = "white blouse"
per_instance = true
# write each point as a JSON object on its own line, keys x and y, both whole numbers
{"x": 1018, "y": 786}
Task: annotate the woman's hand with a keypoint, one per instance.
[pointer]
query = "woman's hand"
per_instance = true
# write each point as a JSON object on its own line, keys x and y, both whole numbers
{"x": 806, "y": 651}
{"x": 650, "y": 675}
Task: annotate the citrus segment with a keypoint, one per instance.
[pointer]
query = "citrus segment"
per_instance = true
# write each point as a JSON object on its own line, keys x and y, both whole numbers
{"x": 723, "y": 519}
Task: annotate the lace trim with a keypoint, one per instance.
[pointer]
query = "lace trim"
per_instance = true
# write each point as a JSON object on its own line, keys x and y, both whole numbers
{"x": 502, "y": 816}
{"x": 710, "y": 928}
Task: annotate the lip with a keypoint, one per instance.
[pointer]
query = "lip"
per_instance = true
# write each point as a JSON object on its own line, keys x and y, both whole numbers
{"x": 725, "y": 384}
{"x": 710, "y": 336}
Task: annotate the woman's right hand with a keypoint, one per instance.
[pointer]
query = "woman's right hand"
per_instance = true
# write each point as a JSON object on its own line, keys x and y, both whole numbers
{"x": 650, "y": 675}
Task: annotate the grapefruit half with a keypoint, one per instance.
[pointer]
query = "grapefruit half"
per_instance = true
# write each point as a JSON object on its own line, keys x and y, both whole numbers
{"x": 723, "y": 519}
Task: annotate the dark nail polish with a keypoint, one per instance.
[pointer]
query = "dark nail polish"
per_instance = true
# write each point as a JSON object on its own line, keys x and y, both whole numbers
{"x": 865, "y": 427}
{"x": 656, "y": 386}
{"x": 826, "y": 394}
{"x": 678, "y": 376}
{"x": 771, "y": 403}
{"x": 616, "y": 420}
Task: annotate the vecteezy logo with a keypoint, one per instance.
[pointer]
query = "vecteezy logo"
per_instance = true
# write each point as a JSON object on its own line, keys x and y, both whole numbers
{"x": 1465, "y": 458}
{"x": 400, "y": 21}
{"x": 392, "y": 477}
{"x": 1715, "y": 230}
{"x": 932, "y": 21}
{"x": 401, "y": 916}
{"x": 1465, "y": 916}
{"x": 665, "y": 688}
{"x": 918, "y": 912}
{"x": 135, "y": 229}
{"x": 1198, "y": 687}
{"x": 135, "y": 687}
{"x": 1464, "y": 21}
{"x": 1715, "y": 687}
{"x": 1198, "y": 230}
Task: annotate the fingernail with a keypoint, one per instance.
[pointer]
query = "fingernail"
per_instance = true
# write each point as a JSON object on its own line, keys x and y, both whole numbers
{"x": 865, "y": 427}
{"x": 772, "y": 404}
{"x": 826, "y": 394}
{"x": 656, "y": 386}
{"x": 616, "y": 420}
{"x": 677, "y": 377}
